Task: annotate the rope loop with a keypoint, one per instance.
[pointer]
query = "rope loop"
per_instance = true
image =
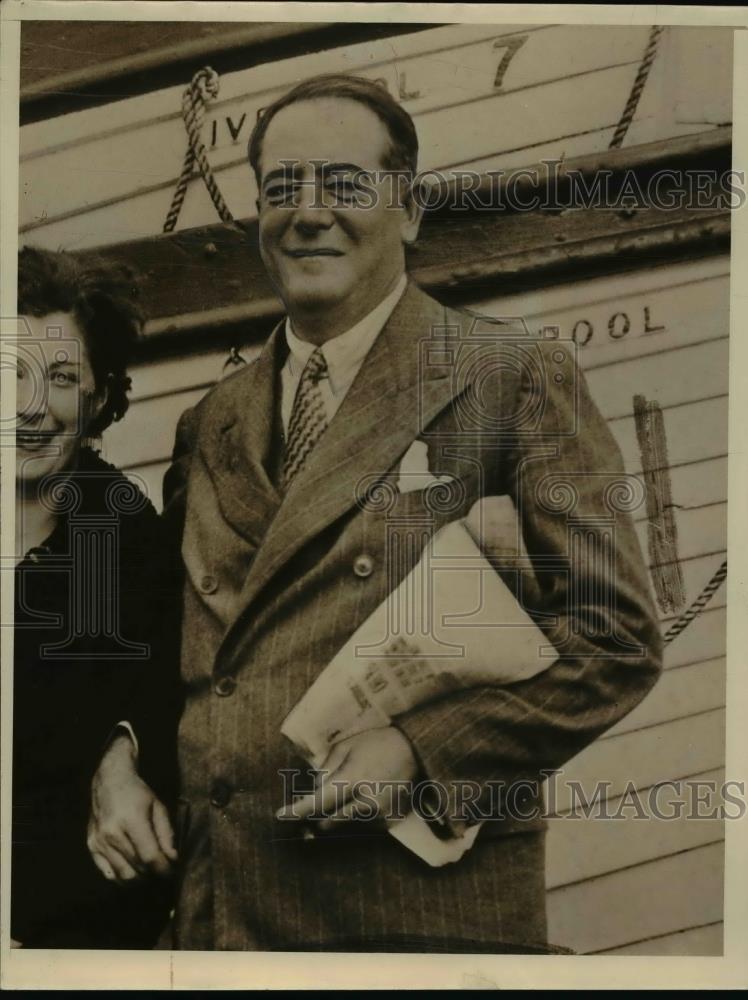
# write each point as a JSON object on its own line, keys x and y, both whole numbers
{"x": 203, "y": 89}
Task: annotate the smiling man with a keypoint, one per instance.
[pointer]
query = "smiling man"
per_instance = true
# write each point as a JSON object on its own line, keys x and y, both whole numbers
{"x": 286, "y": 555}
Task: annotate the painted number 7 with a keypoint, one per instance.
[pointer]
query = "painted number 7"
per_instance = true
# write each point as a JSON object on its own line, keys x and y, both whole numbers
{"x": 512, "y": 46}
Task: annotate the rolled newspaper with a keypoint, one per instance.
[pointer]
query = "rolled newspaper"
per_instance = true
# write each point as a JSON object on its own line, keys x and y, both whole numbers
{"x": 451, "y": 623}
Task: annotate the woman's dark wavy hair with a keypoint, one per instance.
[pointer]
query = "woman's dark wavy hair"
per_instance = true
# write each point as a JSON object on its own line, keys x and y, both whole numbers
{"x": 403, "y": 152}
{"x": 103, "y": 297}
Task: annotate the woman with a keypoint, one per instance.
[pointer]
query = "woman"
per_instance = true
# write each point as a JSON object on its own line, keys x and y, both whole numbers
{"x": 95, "y": 665}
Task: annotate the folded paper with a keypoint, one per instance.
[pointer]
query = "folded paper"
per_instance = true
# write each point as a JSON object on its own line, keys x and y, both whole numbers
{"x": 451, "y": 623}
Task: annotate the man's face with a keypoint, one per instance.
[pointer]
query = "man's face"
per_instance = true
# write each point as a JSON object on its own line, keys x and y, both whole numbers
{"x": 323, "y": 248}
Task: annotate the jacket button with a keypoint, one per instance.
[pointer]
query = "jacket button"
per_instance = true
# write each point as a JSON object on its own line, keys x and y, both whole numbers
{"x": 225, "y": 686}
{"x": 208, "y": 584}
{"x": 220, "y": 794}
{"x": 363, "y": 565}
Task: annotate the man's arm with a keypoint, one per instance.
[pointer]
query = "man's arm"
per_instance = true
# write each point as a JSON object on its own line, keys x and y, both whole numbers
{"x": 512, "y": 732}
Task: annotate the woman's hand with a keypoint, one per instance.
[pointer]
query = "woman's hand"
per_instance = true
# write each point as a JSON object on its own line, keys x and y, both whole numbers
{"x": 365, "y": 777}
{"x": 129, "y": 832}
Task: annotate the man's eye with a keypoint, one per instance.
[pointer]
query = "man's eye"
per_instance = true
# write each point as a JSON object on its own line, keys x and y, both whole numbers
{"x": 343, "y": 187}
{"x": 280, "y": 194}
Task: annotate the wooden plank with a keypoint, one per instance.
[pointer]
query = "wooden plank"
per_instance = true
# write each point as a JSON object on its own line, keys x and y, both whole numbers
{"x": 580, "y": 848}
{"x": 190, "y": 371}
{"x": 697, "y": 371}
{"x": 680, "y": 692}
{"x": 704, "y": 638}
{"x": 666, "y": 307}
{"x": 690, "y": 47}
{"x": 563, "y": 299}
{"x": 699, "y": 531}
{"x": 653, "y": 899}
{"x": 147, "y": 432}
{"x": 260, "y": 80}
{"x": 697, "y": 572}
{"x": 695, "y": 432}
{"x": 700, "y": 484}
{"x": 707, "y": 940}
{"x": 668, "y": 751}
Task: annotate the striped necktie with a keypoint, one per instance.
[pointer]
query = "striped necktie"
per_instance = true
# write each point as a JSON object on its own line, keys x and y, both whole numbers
{"x": 308, "y": 417}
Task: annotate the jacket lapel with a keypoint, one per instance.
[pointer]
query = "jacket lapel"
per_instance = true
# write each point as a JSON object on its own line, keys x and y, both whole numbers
{"x": 389, "y": 403}
{"x": 237, "y": 451}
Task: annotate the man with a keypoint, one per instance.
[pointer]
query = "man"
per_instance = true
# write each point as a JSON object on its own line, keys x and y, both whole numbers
{"x": 285, "y": 557}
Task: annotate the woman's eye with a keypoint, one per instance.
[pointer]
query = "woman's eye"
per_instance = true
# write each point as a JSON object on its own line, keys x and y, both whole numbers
{"x": 63, "y": 378}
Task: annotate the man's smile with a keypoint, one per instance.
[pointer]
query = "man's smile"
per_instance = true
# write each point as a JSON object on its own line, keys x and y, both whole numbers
{"x": 316, "y": 252}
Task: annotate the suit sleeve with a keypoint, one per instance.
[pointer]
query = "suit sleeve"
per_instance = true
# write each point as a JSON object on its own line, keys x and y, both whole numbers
{"x": 176, "y": 478}
{"x": 604, "y": 625}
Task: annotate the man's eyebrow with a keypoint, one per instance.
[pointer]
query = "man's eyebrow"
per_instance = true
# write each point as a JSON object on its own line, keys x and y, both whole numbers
{"x": 331, "y": 168}
{"x": 284, "y": 172}
{"x": 327, "y": 168}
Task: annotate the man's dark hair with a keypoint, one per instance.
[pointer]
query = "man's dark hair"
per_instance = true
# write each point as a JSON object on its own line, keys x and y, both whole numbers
{"x": 403, "y": 151}
{"x": 103, "y": 299}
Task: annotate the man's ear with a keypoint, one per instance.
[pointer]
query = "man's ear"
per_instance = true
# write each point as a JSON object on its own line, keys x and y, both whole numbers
{"x": 412, "y": 216}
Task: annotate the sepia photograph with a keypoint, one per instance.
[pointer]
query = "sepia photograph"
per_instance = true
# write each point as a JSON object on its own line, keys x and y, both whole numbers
{"x": 365, "y": 550}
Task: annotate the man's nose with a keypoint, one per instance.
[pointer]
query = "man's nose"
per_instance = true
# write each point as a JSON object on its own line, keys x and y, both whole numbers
{"x": 313, "y": 208}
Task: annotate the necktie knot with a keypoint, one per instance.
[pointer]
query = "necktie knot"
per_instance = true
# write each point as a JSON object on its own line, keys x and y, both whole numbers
{"x": 316, "y": 367}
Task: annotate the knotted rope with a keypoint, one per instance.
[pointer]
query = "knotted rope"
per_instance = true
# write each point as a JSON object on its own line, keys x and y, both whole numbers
{"x": 636, "y": 91}
{"x": 202, "y": 89}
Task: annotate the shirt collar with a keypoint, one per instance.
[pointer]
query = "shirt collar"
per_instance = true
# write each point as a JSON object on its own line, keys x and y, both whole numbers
{"x": 345, "y": 352}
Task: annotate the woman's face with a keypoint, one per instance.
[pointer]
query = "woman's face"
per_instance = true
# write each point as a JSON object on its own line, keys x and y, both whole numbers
{"x": 56, "y": 396}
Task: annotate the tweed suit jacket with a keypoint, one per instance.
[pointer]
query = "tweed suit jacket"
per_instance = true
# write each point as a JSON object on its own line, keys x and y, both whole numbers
{"x": 274, "y": 588}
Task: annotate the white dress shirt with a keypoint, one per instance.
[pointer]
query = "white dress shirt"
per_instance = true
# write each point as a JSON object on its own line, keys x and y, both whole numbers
{"x": 344, "y": 355}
